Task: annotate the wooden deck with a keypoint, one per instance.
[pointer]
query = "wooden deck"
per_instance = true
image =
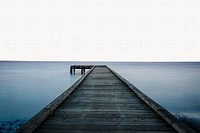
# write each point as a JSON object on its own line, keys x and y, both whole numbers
{"x": 102, "y": 101}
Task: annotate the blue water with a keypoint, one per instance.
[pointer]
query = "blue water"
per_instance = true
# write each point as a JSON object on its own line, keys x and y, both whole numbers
{"x": 27, "y": 87}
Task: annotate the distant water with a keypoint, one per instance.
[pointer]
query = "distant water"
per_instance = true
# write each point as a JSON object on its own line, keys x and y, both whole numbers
{"x": 27, "y": 87}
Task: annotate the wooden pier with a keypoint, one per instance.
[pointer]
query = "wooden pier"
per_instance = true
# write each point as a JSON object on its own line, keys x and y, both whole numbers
{"x": 103, "y": 101}
{"x": 81, "y": 67}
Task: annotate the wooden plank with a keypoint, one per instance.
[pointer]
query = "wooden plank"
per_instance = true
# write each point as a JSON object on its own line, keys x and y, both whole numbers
{"x": 105, "y": 115}
{"x": 108, "y": 112}
{"x": 104, "y": 87}
{"x": 103, "y": 128}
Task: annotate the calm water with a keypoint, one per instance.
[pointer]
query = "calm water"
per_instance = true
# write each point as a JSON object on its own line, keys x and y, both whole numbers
{"x": 26, "y": 87}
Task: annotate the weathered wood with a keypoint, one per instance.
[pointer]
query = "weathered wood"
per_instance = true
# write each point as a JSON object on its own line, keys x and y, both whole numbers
{"x": 105, "y": 102}
{"x": 111, "y": 128}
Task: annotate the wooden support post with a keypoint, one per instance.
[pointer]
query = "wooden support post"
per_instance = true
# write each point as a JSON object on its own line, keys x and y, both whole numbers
{"x": 74, "y": 70}
{"x": 70, "y": 69}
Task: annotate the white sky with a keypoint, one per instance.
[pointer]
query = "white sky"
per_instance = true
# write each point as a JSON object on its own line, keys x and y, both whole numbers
{"x": 100, "y": 30}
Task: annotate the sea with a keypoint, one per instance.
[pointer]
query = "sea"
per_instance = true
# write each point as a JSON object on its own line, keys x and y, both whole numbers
{"x": 28, "y": 86}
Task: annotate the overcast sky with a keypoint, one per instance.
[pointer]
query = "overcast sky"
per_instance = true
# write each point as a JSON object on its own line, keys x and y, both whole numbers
{"x": 100, "y": 30}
